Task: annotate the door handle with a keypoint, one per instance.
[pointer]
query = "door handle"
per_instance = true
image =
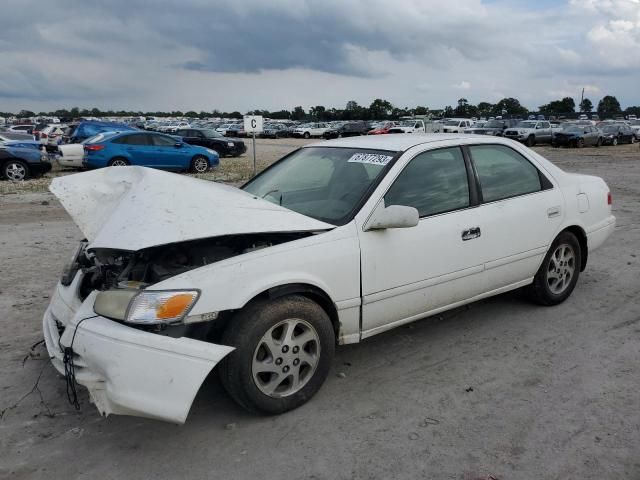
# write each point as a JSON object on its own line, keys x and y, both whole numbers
{"x": 470, "y": 234}
{"x": 553, "y": 212}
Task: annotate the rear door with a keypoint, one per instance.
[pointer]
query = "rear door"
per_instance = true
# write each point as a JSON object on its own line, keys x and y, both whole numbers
{"x": 521, "y": 209}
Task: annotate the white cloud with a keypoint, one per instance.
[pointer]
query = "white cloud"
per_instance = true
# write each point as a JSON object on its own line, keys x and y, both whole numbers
{"x": 463, "y": 85}
{"x": 283, "y": 53}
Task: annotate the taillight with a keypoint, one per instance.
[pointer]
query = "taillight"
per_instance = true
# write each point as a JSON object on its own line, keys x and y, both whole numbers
{"x": 43, "y": 135}
{"x": 93, "y": 148}
{"x": 609, "y": 198}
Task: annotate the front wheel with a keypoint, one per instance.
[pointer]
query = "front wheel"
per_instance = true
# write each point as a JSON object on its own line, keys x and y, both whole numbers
{"x": 118, "y": 162}
{"x": 599, "y": 142}
{"x": 580, "y": 143}
{"x": 557, "y": 276}
{"x": 531, "y": 141}
{"x": 199, "y": 164}
{"x": 15, "y": 170}
{"x": 307, "y": 135}
{"x": 283, "y": 353}
{"x": 614, "y": 142}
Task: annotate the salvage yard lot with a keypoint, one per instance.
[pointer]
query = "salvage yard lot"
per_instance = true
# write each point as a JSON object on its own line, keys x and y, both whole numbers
{"x": 501, "y": 387}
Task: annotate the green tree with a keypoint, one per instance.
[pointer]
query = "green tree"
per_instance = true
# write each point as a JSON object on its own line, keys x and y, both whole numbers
{"x": 586, "y": 106}
{"x": 632, "y": 111}
{"x": 298, "y": 114}
{"x": 380, "y": 109}
{"x": 608, "y": 107}
{"x": 318, "y": 112}
{"x": 511, "y": 106}
{"x": 485, "y": 108}
{"x": 25, "y": 114}
{"x": 559, "y": 107}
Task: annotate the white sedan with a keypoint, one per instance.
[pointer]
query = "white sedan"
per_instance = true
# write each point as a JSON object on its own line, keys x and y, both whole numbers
{"x": 334, "y": 243}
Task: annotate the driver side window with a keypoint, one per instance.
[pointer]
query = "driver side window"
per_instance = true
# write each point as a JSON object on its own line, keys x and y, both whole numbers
{"x": 433, "y": 182}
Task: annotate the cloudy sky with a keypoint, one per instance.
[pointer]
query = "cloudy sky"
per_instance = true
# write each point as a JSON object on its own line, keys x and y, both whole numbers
{"x": 271, "y": 54}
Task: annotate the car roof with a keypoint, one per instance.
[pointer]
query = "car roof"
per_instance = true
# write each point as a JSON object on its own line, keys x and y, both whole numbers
{"x": 399, "y": 142}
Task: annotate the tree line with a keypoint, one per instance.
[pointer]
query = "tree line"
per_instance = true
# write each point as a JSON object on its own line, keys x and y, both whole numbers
{"x": 379, "y": 109}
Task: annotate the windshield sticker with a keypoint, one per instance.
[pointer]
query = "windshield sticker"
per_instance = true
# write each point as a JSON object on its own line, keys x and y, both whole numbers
{"x": 373, "y": 158}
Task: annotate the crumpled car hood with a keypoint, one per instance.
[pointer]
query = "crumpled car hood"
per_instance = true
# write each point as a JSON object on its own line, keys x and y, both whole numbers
{"x": 131, "y": 208}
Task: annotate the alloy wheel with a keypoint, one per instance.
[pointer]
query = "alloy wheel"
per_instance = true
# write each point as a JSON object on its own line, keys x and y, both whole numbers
{"x": 286, "y": 358}
{"x": 15, "y": 171}
{"x": 200, "y": 165}
{"x": 561, "y": 269}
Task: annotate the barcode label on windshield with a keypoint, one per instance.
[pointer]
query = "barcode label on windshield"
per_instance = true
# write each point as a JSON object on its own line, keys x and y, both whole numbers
{"x": 374, "y": 158}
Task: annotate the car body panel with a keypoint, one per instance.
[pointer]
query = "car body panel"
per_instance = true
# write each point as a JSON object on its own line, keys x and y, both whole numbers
{"x": 71, "y": 155}
{"x": 127, "y": 371}
{"x": 106, "y": 203}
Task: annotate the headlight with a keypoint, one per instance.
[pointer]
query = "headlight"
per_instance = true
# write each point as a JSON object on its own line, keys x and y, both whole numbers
{"x": 147, "y": 307}
{"x": 230, "y": 144}
{"x": 522, "y": 132}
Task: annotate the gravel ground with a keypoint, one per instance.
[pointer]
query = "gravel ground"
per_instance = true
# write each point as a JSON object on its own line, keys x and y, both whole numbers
{"x": 501, "y": 387}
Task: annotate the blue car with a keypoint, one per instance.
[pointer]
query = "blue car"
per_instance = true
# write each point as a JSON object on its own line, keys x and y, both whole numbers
{"x": 21, "y": 159}
{"x": 147, "y": 149}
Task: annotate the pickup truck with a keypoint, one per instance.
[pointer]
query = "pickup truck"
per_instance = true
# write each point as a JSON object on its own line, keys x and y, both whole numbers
{"x": 409, "y": 126}
{"x": 530, "y": 132}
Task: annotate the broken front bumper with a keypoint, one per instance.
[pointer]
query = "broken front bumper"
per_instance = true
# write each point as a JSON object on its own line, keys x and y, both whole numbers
{"x": 127, "y": 371}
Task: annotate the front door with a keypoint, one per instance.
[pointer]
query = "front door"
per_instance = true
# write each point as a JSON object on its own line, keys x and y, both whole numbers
{"x": 407, "y": 272}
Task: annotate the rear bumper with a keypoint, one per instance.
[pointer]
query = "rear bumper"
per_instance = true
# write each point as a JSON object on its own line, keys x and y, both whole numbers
{"x": 600, "y": 232}
{"x": 127, "y": 371}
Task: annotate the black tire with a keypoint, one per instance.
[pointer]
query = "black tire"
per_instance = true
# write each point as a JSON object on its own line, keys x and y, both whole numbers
{"x": 199, "y": 164}
{"x": 632, "y": 140}
{"x": 580, "y": 143}
{"x": 540, "y": 291}
{"x": 614, "y": 142}
{"x": 246, "y": 331}
{"x": 15, "y": 170}
{"x": 118, "y": 162}
{"x": 307, "y": 135}
{"x": 599, "y": 142}
{"x": 531, "y": 141}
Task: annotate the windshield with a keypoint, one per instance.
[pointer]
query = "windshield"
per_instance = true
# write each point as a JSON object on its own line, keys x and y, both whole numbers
{"x": 451, "y": 123}
{"x": 610, "y": 129}
{"x": 322, "y": 182}
{"x": 574, "y": 129}
{"x": 493, "y": 124}
{"x": 527, "y": 124}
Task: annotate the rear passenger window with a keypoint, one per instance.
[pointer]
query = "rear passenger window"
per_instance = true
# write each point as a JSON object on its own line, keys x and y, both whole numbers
{"x": 140, "y": 139}
{"x": 433, "y": 182}
{"x": 503, "y": 172}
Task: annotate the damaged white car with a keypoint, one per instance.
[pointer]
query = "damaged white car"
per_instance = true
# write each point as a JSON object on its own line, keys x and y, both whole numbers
{"x": 334, "y": 243}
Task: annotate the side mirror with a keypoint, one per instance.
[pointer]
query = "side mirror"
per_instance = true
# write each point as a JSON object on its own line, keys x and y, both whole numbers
{"x": 393, "y": 216}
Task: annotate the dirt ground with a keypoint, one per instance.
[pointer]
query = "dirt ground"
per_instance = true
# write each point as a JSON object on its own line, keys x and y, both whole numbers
{"x": 501, "y": 388}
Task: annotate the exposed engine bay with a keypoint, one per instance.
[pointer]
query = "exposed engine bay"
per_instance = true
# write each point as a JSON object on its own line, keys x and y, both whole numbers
{"x": 106, "y": 269}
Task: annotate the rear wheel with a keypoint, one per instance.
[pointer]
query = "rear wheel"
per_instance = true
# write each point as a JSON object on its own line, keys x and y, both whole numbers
{"x": 580, "y": 143}
{"x": 118, "y": 162}
{"x": 632, "y": 140}
{"x": 599, "y": 142}
{"x": 199, "y": 164}
{"x": 614, "y": 142}
{"x": 283, "y": 353}
{"x": 15, "y": 170}
{"x": 307, "y": 135}
{"x": 557, "y": 276}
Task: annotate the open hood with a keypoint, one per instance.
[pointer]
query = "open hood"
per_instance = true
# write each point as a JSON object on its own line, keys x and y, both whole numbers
{"x": 131, "y": 208}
